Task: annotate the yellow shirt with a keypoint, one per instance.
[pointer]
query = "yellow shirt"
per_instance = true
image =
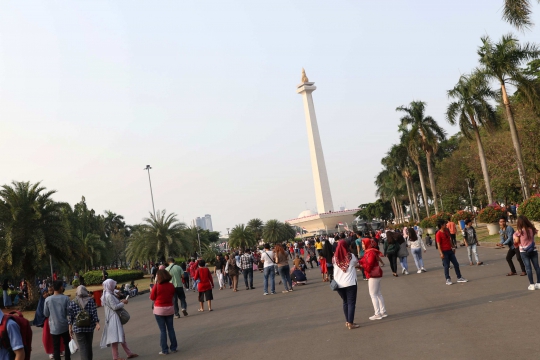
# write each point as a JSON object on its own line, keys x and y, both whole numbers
{"x": 318, "y": 245}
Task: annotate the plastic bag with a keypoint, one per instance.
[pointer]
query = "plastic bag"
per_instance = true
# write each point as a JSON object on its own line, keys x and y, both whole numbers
{"x": 73, "y": 347}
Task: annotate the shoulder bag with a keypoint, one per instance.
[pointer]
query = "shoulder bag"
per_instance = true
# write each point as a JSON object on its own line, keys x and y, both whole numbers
{"x": 122, "y": 314}
{"x": 334, "y": 285}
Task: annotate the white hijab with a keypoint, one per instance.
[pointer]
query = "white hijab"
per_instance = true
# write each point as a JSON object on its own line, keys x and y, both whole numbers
{"x": 108, "y": 287}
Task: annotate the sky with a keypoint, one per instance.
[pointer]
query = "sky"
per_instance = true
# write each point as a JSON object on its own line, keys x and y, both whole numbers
{"x": 205, "y": 92}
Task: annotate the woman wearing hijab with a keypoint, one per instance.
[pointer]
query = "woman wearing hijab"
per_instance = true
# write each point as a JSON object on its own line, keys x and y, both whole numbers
{"x": 39, "y": 317}
{"x": 373, "y": 272}
{"x": 345, "y": 276}
{"x": 391, "y": 249}
{"x": 113, "y": 332}
{"x": 403, "y": 253}
{"x": 328, "y": 253}
{"x": 7, "y": 298}
{"x": 84, "y": 335}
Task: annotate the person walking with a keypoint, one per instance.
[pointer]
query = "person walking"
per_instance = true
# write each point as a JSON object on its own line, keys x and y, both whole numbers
{"x": 205, "y": 285}
{"x": 403, "y": 253}
{"x": 246, "y": 264}
{"x": 471, "y": 242}
{"x": 524, "y": 239}
{"x": 328, "y": 253}
{"x": 84, "y": 333}
{"x": 176, "y": 278}
{"x": 220, "y": 271}
{"x": 282, "y": 261}
{"x": 7, "y": 298}
{"x": 233, "y": 271}
{"x": 507, "y": 238}
{"x": 391, "y": 249}
{"x": 451, "y": 226}
{"x": 56, "y": 308}
{"x": 416, "y": 244}
{"x": 267, "y": 257}
{"x": 311, "y": 255}
{"x": 345, "y": 276}
{"x": 226, "y": 278}
{"x": 162, "y": 294}
{"x": 373, "y": 272}
{"x": 113, "y": 331}
{"x": 447, "y": 252}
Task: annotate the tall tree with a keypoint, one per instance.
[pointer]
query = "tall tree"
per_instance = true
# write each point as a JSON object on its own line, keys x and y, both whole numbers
{"x": 241, "y": 237}
{"x": 430, "y": 134}
{"x": 32, "y": 227}
{"x": 256, "y": 226}
{"x": 471, "y": 109}
{"x": 274, "y": 232}
{"x": 90, "y": 249}
{"x": 502, "y": 62}
{"x": 518, "y": 13}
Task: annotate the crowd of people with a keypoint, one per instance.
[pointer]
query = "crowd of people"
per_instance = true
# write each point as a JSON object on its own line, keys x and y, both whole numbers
{"x": 339, "y": 257}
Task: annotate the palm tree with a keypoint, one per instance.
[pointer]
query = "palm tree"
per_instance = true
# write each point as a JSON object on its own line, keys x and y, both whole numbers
{"x": 471, "y": 110}
{"x": 518, "y": 13}
{"x": 256, "y": 226}
{"x": 159, "y": 237}
{"x": 241, "y": 237}
{"x": 413, "y": 147}
{"x": 502, "y": 62}
{"x": 274, "y": 231}
{"x": 90, "y": 248}
{"x": 32, "y": 227}
{"x": 430, "y": 134}
{"x": 385, "y": 189}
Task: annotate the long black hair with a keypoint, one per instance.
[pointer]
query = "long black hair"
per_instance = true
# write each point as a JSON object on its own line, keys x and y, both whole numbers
{"x": 327, "y": 252}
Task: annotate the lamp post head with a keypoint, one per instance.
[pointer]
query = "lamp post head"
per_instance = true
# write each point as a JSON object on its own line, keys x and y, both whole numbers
{"x": 148, "y": 167}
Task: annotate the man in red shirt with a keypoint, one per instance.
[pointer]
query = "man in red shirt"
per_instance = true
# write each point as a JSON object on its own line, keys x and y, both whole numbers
{"x": 447, "y": 252}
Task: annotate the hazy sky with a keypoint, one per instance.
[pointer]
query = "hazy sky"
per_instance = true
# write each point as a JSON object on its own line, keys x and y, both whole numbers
{"x": 205, "y": 92}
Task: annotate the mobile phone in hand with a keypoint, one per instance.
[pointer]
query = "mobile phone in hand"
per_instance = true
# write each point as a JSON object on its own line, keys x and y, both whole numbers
{"x": 127, "y": 297}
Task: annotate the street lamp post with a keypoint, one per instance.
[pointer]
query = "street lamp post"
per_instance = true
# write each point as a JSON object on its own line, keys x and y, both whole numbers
{"x": 470, "y": 198}
{"x": 151, "y": 193}
{"x": 199, "y": 237}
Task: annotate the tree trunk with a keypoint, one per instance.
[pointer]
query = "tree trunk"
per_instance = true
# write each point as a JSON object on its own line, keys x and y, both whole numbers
{"x": 394, "y": 208}
{"x": 415, "y": 200}
{"x": 410, "y": 197}
{"x": 432, "y": 181}
{"x": 517, "y": 145}
{"x": 423, "y": 186}
{"x": 483, "y": 162}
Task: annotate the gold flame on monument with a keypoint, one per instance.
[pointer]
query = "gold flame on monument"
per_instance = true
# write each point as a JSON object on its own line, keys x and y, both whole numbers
{"x": 304, "y": 77}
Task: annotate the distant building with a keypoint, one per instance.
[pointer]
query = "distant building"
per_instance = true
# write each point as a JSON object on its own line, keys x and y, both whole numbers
{"x": 200, "y": 223}
{"x": 208, "y": 222}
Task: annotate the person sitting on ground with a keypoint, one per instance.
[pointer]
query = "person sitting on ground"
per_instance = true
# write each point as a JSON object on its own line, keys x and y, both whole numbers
{"x": 298, "y": 278}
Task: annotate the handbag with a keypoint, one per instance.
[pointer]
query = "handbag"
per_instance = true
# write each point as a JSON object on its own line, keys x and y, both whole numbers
{"x": 123, "y": 315}
{"x": 376, "y": 272}
{"x": 73, "y": 347}
{"x": 334, "y": 285}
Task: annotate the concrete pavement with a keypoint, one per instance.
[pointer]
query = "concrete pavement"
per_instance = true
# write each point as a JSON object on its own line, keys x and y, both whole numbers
{"x": 492, "y": 316}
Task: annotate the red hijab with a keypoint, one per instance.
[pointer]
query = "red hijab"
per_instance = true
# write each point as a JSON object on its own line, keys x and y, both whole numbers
{"x": 369, "y": 245}
{"x": 342, "y": 256}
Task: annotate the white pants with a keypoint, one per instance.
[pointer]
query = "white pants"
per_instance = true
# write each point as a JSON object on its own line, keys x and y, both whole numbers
{"x": 376, "y": 297}
{"x": 219, "y": 275}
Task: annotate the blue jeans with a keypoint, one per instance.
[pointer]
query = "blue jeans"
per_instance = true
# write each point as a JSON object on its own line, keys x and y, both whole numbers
{"x": 248, "y": 273}
{"x": 403, "y": 262}
{"x": 417, "y": 255}
{"x": 269, "y": 273}
{"x": 348, "y": 295}
{"x": 470, "y": 250}
{"x": 179, "y": 294}
{"x": 529, "y": 258}
{"x": 165, "y": 324}
{"x": 449, "y": 256}
{"x": 285, "y": 272}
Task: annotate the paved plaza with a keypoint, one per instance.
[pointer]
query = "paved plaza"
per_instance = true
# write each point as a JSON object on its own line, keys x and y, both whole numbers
{"x": 491, "y": 317}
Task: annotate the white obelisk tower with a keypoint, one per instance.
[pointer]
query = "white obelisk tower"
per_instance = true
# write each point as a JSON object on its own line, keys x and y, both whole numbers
{"x": 320, "y": 177}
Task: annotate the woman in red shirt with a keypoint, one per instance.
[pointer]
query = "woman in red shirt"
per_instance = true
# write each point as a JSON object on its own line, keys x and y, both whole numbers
{"x": 162, "y": 294}
{"x": 206, "y": 283}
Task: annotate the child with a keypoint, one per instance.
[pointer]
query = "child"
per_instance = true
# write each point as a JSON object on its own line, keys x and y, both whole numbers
{"x": 428, "y": 240}
{"x": 324, "y": 268}
{"x": 471, "y": 242}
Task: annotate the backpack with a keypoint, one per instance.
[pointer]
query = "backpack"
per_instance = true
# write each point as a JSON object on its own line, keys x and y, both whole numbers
{"x": 83, "y": 318}
{"x": 25, "y": 329}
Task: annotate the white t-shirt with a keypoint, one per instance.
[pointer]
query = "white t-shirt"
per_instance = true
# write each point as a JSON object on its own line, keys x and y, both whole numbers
{"x": 345, "y": 279}
{"x": 267, "y": 258}
{"x": 295, "y": 245}
{"x": 306, "y": 242}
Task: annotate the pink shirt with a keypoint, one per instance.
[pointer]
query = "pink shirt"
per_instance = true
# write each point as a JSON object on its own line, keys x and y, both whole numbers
{"x": 525, "y": 238}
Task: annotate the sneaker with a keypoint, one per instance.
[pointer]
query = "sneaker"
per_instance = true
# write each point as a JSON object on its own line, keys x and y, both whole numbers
{"x": 163, "y": 353}
{"x": 265, "y": 294}
{"x": 290, "y": 290}
{"x": 419, "y": 272}
{"x": 384, "y": 315}
{"x": 531, "y": 287}
{"x": 480, "y": 263}
{"x": 537, "y": 286}
{"x": 366, "y": 279}
{"x": 177, "y": 316}
{"x": 375, "y": 317}
{"x": 448, "y": 282}
{"x": 285, "y": 292}
{"x": 406, "y": 272}
{"x": 184, "y": 312}
{"x": 424, "y": 270}
{"x": 273, "y": 293}
{"x": 403, "y": 271}
{"x": 173, "y": 351}
{"x": 462, "y": 280}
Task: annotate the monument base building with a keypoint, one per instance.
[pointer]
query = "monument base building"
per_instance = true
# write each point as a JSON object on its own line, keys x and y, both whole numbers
{"x": 325, "y": 223}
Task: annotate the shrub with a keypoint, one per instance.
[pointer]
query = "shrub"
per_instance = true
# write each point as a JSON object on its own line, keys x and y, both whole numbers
{"x": 442, "y": 216}
{"x": 75, "y": 283}
{"x": 427, "y": 222}
{"x": 490, "y": 214}
{"x": 462, "y": 215}
{"x": 531, "y": 208}
{"x": 120, "y": 276}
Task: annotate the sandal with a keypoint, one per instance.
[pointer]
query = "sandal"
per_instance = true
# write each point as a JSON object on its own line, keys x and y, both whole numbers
{"x": 200, "y": 310}
{"x": 523, "y": 274}
{"x": 511, "y": 274}
{"x": 352, "y": 326}
{"x": 132, "y": 356}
